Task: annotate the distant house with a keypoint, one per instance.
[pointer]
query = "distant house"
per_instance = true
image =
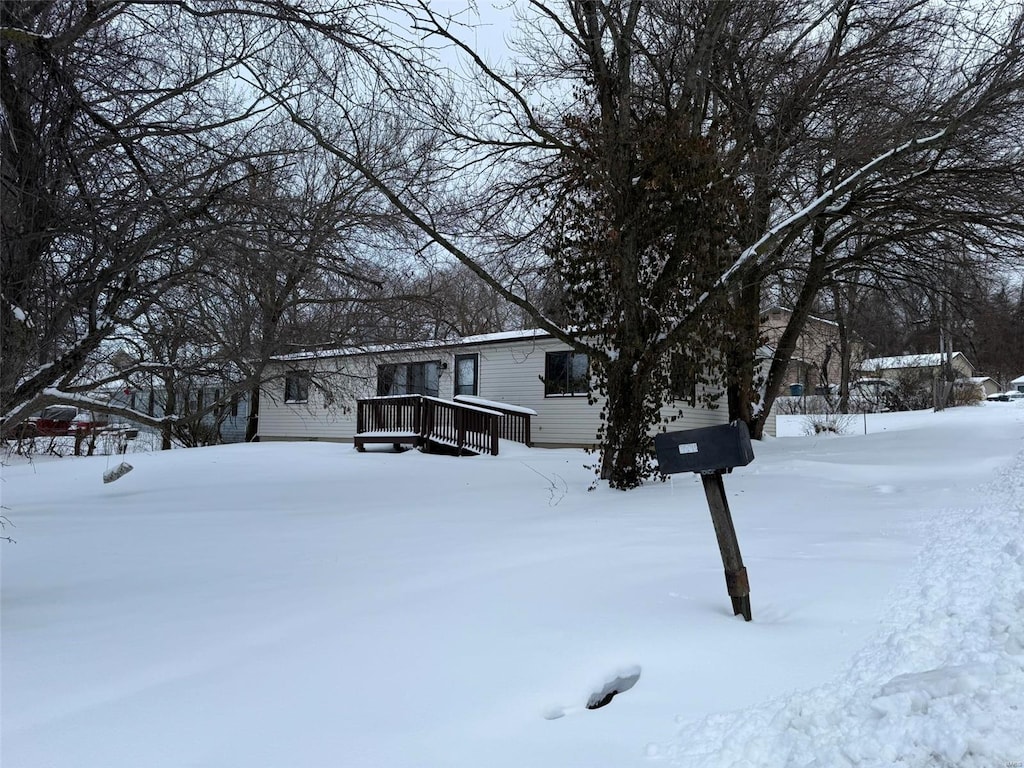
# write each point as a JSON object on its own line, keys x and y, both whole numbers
{"x": 985, "y": 385}
{"x": 928, "y": 365}
{"x": 816, "y": 360}
{"x": 315, "y": 394}
{"x": 229, "y": 420}
{"x": 1018, "y": 384}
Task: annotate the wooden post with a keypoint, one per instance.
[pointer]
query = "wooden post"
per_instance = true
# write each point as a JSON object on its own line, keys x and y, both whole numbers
{"x": 735, "y": 574}
{"x": 460, "y": 429}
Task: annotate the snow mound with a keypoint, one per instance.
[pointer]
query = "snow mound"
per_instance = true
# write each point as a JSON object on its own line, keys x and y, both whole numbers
{"x": 943, "y": 684}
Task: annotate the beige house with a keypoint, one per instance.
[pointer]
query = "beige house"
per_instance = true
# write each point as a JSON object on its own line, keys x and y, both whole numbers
{"x": 816, "y": 359}
{"x": 528, "y": 370}
{"x": 985, "y": 385}
{"x": 928, "y": 365}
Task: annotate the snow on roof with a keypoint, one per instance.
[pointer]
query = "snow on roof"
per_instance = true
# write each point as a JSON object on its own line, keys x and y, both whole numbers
{"x": 484, "y": 338}
{"x": 780, "y": 308}
{"x": 927, "y": 360}
{"x": 1018, "y": 380}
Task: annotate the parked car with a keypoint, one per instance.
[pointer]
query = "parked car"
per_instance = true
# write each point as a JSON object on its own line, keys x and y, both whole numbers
{"x": 1005, "y": 397}
{"x": 58, "y": 420}
{"x": 870, "y": 390}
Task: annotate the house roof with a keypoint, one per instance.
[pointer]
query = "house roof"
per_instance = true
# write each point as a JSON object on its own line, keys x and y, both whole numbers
{"x": 484, "y": 338}
{"x": 780, "y": 308}
{"x": 1018, "y": 380}
{"x": 926, "y": 360}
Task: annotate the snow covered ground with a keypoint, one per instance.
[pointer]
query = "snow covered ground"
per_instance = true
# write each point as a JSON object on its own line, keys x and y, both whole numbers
{"x": 306, "y": 605}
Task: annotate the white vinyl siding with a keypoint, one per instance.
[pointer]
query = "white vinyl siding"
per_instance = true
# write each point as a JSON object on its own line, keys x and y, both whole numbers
{"x": 508, "y": 371}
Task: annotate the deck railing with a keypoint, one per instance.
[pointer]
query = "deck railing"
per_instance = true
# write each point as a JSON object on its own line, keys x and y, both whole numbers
{"x": 461, "y": 426}
{"x": 514, "y": 424}
{"x": 458, "y": 425}
{"x": 402, "y": 414}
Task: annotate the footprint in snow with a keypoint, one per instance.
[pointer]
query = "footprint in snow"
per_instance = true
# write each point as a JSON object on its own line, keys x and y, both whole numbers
{"x": 616, "y": 683}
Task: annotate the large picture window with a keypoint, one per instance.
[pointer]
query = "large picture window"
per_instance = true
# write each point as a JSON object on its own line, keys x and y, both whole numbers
{"x": 296, "y": 387}
{"x": 566, "y": 373}
{"x": 466, "y": 367}
{"x": 409, "y": 378}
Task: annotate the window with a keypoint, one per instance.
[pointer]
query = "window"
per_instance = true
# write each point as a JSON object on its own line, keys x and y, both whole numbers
{"x": 234, "y": 404}
{"x": 296, "y": 387}
{"x": 683, "y": 379}
{"x": 409, "y": 378}
{"x": 566, "y": 373}
{"x": 465, "y": 374}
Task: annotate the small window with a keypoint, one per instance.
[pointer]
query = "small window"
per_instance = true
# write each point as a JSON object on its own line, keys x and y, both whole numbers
{"x": 683, "y": 380}
{"x": 234, "y": 404}
{"x": 296, "y": 387}
{"x": 466, "y": 374}
{"x": 566, "y": 373}
{"x": 409, "y": 378}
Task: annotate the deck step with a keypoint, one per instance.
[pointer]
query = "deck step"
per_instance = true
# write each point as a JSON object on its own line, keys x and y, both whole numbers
{"x": 397, "y": 439}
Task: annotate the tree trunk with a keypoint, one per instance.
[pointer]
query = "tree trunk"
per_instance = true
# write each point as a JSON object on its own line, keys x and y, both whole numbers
{"x": 787, "y": 344}
{"x": 741, "y": 370}
{"x": 252, "y": 419}
{"x": 626, "y": 457}
{"x": 170, "y": 404}
{"x": 845, "y": 351}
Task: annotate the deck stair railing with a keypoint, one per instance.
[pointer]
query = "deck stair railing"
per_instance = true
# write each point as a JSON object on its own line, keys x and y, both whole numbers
{"x": 461, "y": 426}
{"x": 425, "y": 421}
{"x": 515, "y": 422}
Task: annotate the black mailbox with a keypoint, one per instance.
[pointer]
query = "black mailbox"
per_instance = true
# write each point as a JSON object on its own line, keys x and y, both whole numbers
{"x": 709, "y": 449}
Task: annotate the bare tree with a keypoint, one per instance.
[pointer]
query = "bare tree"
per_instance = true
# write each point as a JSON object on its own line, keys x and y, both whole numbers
{"x": 127, "y": 141}
{"x": 930, "y": 216}
{"x": 113, "y": 162}
{"x": 667, "y": 158}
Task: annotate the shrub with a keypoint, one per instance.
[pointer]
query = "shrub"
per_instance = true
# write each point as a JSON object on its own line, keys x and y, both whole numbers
{"x": 911, "y": 391}
{"x": 824, "y": 423}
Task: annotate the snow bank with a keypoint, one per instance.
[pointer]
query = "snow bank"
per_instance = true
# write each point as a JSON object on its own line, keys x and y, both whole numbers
{"x": 943, "y": 684}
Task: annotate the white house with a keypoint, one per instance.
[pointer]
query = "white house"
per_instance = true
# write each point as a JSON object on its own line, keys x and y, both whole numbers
{"x": 191, "y": 396}
{"x": 1018, "y": 384}
{"x": 529, "y": 369}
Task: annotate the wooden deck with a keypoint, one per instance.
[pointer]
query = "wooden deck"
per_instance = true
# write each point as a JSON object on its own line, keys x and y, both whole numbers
{"x": 433, "y": 424}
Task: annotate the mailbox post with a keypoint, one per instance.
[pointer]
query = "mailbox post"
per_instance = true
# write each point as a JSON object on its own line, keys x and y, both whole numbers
{"x": 711, "y": 452}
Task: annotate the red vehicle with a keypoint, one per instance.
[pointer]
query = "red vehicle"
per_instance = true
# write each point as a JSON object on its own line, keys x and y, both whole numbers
{"x": 60, "y": 420}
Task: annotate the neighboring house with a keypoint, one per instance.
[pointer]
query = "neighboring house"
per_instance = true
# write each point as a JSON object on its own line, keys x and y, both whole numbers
{"x": 230, "y": 419}
{"x": 816, "y": 359}
{"x": 985, "y": 384}
{"x": 1018, "y": 384}
{"x": 315, "y": 398}
{"x": 928, "y": 365}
